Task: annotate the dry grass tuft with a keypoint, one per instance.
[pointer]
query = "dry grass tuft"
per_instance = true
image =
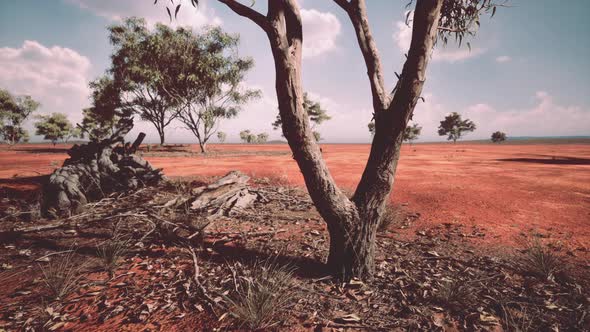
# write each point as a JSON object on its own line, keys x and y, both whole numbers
{"x": 261, "y": 295}
{"x": 61, "y": 276}
{"x": 454, "y": 293}
{"x": 111, "y": 252}
{"x": 517, "y": 318}
{"x": 540, "y": 260}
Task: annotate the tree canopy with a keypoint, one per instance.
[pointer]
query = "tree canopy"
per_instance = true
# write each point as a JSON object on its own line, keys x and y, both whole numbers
{"x": 14, "y": 111}
{"x": 412, "y": 132}
{"x": 454, "y": 127}
{"x": 208, "y": 78}
{"x": 498, "y": 137}
{"x": 54, "y": 127}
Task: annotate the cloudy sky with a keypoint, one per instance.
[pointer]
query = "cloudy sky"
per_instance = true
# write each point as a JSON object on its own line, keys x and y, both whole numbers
{"x": 528, "y": 72}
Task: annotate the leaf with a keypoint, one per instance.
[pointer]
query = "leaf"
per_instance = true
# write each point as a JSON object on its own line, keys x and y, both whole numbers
{"x": 494, "y": 11}
{"x": 155, "y": 2}
{"x": 176, "y": 11}
{"x": 169, "y": 14}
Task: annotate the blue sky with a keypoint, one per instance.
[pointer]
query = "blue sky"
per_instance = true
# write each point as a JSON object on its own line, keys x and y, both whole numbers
{"x": 528, "y": 72}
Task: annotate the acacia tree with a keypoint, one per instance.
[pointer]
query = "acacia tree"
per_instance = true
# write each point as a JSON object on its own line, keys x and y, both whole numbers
{"x": 352, "y": 222}
{"x": 54, "y": 127}
{"x": 454, "y": 127}
{"x": 316, "y": 114}
{"x": 498, "y": 137}
{"x": 14, "y": 111}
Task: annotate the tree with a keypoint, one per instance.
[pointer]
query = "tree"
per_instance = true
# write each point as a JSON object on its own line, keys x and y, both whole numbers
{"x": 221, "y": 136}
{"x": 53, "y": 127}
{"x": 352, "y": 222}
{"x": 140, "y": 69}
{"x": 314, "y": 111}
{"x": 498, "y": 137}
{"x": 454, "y": 127}
{"x": 412, "y": 132}
{"x": 14, "y": 111}
{"x": 261, "y": 138}
{"x": 107, "y": 112}
{"x": 210, "y": 75}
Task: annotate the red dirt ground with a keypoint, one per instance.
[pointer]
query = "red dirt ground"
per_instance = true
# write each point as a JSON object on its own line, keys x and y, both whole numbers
{"x": 502, "y": 189}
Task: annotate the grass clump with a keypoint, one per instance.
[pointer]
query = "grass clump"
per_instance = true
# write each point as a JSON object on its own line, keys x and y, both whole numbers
{"x": 540, "y": 260}
{"x": 454, "y": 293}
{"x": 261, "y": 295}
{"x": 111, "y": 251}
{"x": 62, "y": 275}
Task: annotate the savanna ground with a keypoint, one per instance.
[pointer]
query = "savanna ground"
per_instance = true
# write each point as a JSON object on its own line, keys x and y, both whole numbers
{"x": 482, "y": 237}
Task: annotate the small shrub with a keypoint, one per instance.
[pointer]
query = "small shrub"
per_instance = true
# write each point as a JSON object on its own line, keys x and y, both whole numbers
{"x": 111, "y": 252}
{"x": 261, "y": 295}
{"x": 540, "y": 260}
{"x": 61, "y": 276}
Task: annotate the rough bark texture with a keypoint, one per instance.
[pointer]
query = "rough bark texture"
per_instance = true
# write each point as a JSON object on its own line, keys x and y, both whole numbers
{"x": 352, "y": 223}
{"x": 94, "y": 170}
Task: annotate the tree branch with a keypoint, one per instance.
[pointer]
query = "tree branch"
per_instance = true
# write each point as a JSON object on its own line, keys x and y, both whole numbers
{"x": 247, "y": 12}
{"x": 357, "y": 12}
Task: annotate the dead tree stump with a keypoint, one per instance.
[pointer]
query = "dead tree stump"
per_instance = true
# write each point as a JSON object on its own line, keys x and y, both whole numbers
{"x": 94, "y": 170}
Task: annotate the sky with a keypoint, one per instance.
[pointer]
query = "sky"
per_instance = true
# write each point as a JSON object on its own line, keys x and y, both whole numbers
{"x": 527, "y": 74}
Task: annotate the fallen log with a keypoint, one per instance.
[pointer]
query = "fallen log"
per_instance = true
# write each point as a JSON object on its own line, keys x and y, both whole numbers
{"x": 228, "y": 196}
{"x": 95, "y": 169}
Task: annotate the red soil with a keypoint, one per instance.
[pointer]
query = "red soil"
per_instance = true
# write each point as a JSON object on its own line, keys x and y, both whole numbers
{"x": 503, "y": 189}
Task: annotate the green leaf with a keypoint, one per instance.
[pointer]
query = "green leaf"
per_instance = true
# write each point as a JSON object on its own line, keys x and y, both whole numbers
{"x": 176, "y": 11}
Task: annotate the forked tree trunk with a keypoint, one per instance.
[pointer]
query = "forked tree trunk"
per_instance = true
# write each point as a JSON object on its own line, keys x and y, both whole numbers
{"x": 352, "y": 223}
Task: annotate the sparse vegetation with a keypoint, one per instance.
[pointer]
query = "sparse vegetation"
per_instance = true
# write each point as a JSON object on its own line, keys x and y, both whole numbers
{"x": 261, "y": 295}
{"x": 112, "y": 251}
{"x": 540, "y": 260}
{"x": 62, "y": 275}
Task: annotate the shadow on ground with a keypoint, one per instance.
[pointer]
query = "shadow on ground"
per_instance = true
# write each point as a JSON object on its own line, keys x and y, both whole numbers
{"x": 550, "y": 160}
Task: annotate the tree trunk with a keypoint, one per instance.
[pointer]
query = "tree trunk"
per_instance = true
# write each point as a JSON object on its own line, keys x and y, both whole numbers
{"x": 161, "y": 133}
{"x": 203, "y": 147}
{"x": 352, "y": 223}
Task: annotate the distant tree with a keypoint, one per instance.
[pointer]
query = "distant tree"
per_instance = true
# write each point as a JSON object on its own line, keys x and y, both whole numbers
{"x": 412, "y": 132}
{"x": 498, "y": 137}
{"x": 454, "y": 127}
{"x": 314, "y": 111}
{"x": 221, "y": 136}
{"x": 247, "y": 137}
{"x": 250, "y": 138}
{"x": 53, "y": 127}
{"x": 261, "y": 138}
{"x": 141, "y": 70}
{"x": 13, "y": 113}
{"x": 102, "y": 118}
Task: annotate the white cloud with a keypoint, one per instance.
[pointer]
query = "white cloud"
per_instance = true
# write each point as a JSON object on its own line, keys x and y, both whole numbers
{"x": 402, "y": 37}
{"x": 320, "y": 31}
{"x": 55, "y": 76}
{"x": 544, "y": 118}
{"x": 503, "y": 58}
{"x": 117, "y": 10}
